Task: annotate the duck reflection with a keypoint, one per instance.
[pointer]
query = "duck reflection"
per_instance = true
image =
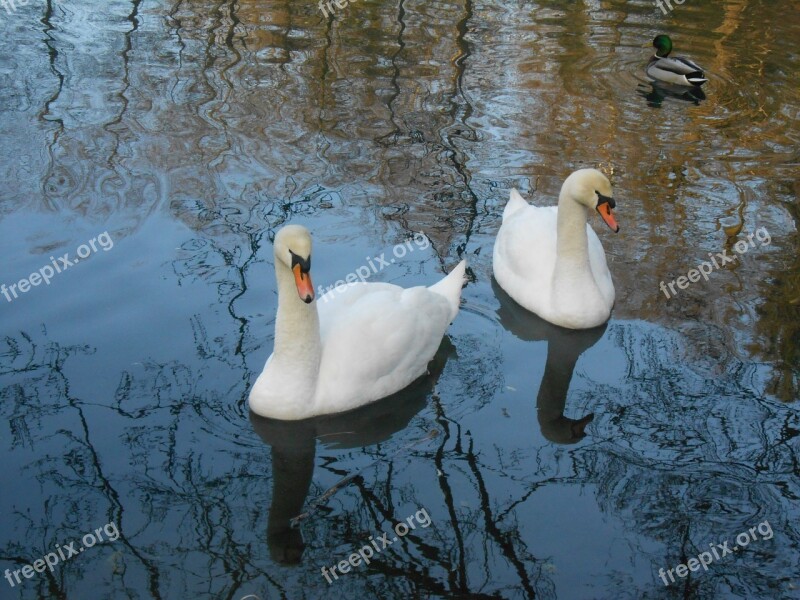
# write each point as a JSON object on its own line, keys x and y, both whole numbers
{"x": 564, "y": 347}
{"x": 656, "y": 92}
{"x": 293, "y": 445}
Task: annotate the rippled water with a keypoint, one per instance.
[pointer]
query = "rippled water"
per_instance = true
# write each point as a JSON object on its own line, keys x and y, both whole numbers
{"x": 551, "y": 464}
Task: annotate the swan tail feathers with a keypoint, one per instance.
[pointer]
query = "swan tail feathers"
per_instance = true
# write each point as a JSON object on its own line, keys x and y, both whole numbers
{"x": 515, "y": 203}
{"x": 450, "y": 287}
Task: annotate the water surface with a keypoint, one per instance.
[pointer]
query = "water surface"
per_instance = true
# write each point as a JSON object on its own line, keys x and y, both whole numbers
{"x": 552, "y": 465}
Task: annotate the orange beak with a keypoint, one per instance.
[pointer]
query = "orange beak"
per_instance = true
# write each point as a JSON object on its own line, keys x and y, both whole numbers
{"x": 305, "y": 289}
{"x": 605, "y": 212}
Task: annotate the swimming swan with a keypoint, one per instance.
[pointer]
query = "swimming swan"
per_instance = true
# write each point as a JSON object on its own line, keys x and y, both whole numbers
{"x": 551, "y": 262}
{"x": 363, "y": 342}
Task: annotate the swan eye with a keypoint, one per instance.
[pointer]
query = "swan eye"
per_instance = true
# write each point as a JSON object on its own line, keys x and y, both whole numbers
{"x": 305, "y": 263}
{"x": 603, "y": 199}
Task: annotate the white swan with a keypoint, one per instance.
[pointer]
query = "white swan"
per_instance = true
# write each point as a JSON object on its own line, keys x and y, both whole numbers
{"x": 366, "y": 341}
{"x": 550, "y": 261}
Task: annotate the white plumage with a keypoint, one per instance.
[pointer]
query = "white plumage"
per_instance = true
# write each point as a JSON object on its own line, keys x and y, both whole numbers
{"x": 551, "y": 262}
{"x": 358, "y": 344}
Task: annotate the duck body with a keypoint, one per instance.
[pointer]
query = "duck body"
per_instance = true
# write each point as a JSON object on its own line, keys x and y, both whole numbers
{"x": 356, "y": 344}
{"x": 675, "y": 70}
{"x": 551, "y": 262}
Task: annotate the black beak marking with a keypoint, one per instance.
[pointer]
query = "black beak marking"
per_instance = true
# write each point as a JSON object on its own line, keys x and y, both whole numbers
{"x": 604, "y": 199}
{"x": 305, "y": 263}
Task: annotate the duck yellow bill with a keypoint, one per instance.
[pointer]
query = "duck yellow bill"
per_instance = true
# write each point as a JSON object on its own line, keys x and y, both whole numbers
{"x": 305, "y": 289}
{"x": 605, "y": 212}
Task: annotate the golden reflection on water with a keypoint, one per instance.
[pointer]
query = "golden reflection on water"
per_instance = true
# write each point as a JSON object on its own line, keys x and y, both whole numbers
{"x": 227, "y": 120}
{"x": 424, "y": 114}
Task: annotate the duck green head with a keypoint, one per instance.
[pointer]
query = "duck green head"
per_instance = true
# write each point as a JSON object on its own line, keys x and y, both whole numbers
{"x": 663, "y": 45}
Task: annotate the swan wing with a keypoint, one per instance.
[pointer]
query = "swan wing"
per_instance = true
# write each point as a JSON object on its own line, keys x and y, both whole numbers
{"x": 377, "y": 338}
{"x": 525, "y": 256}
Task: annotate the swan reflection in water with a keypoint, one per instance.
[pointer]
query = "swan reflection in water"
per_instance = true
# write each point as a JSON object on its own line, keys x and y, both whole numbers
{"x": 293, "y": 445}
{"x": 564, "y": 347}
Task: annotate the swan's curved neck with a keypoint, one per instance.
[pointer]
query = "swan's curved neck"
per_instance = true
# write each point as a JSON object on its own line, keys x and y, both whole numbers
{"x": 297, "y": 348}
{"x": 572, "y": 243}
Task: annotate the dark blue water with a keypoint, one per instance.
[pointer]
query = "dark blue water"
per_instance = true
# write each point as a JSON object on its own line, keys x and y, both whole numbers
{"x": 550, "y": 464}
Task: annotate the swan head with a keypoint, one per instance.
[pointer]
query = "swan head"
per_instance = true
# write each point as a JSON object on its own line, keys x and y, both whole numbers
{"x": 293, "y": 249}
{"x": 592, "y": 189}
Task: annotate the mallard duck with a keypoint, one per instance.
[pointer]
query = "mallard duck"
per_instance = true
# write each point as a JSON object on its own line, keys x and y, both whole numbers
{"x": 676, "y": 70}
{"x": 551, "y": 262}
{"x": 366, "y": 341}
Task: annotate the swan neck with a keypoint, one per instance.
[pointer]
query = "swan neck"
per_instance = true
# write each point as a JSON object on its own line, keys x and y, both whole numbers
{"x": 297, "y": 337}
{"x": 572, "y": 241}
